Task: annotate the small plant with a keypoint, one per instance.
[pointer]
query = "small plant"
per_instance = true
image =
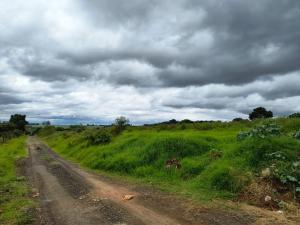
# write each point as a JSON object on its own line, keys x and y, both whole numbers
{"x": 262, "y": 131}
{"x": 286, "y": 171}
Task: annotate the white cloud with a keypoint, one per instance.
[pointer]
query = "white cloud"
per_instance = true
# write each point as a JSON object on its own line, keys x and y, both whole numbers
{"x": 148, "y": 60}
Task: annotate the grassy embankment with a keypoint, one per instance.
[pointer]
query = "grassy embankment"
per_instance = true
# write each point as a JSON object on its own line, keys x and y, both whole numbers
{"x": 213, "y": 162}
{"x": 14, "y": 201}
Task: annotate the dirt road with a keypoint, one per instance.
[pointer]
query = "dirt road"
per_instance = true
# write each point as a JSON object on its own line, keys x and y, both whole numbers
{"x": 69, "y": 195}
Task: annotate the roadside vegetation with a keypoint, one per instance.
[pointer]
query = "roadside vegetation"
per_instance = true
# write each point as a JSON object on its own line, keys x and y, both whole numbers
{"x": 15, "y": 127}
{"x": 254, "y": 161}
{"x": 15, "y": 204}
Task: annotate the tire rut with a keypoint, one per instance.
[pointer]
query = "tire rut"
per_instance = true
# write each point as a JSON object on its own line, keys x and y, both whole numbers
{"x": 70, "y": 195}
{"x": 60, "y": 193}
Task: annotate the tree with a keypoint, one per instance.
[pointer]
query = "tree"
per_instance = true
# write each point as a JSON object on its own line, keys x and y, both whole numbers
{"x": 186, "y": 121}
{"x": 121, "y": 121}
{"x": 120, "y": 124}
{"x": 294, "y": 115}
{"x": 172, "y": 121}
{"x": 18, "y": 121}
{"x": 237, "y": 119}
{"x": 260, "y": 112}
{"x": 46, "y": 123}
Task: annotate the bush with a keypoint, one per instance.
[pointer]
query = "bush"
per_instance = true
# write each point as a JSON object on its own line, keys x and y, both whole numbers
{"x": 261, "y": 131}
{"x": 98, "y": 137}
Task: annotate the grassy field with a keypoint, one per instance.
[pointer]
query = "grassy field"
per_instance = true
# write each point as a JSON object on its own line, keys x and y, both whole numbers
{"x": 214, "y": 164}
{"x": 14, "y": 201}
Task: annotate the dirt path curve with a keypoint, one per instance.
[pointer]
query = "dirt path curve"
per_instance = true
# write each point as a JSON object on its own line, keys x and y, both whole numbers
{"x": 70, "y": 195}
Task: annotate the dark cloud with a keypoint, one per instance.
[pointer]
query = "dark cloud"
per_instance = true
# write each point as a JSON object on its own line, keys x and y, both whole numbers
{"x": 7, "y": 98}
{"x": 52, "y": 72}
{"x": 158, "y": 59}
{"x": 250, "y": 40}
{"x": 130, "y": 13}
{"x": 209, "y": 54}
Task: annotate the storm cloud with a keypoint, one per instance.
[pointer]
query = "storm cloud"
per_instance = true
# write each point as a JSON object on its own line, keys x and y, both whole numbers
{"x": 208, "y": 59}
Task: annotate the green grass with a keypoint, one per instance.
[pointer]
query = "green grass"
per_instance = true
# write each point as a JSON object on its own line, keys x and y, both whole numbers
{"x": 14, "y": 201}
{"x": 140, "y": 154}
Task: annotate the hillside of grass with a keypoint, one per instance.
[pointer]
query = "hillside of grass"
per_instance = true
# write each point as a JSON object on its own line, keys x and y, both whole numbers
{"x": 14, "y": 201}
{"x": 213, "y": 162}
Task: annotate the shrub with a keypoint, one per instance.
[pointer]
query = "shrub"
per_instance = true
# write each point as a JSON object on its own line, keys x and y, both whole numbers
{"x": 261, "y": 131}
{"x": 98, "y": 137}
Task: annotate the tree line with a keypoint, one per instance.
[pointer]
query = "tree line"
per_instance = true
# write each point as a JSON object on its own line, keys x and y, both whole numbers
{"x": 16, "y": 126}
{"x": 17, "y": 123}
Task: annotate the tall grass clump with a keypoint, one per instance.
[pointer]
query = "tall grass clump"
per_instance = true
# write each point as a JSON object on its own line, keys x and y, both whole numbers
{"x": 163, "y": 149}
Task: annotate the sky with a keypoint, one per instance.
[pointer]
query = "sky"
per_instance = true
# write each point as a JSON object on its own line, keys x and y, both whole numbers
{"x": 78, "y": 61}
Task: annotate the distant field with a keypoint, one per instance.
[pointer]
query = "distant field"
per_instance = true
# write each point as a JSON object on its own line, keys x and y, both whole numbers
{"x": 14, "y": 201}
{"x": 213, "y": 163}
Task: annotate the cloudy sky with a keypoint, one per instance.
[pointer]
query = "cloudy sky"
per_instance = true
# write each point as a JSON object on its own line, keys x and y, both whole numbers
{"x": 150, "y": 60}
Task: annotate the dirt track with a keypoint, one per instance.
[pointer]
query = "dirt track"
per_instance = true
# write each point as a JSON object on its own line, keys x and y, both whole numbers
{"x": 69, "y": 195}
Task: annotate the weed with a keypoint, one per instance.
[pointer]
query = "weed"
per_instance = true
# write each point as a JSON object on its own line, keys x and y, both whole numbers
{"x": 261, "y": 131}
